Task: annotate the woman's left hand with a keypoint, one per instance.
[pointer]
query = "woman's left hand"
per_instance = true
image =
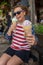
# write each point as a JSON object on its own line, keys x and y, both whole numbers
{"x": 31, "y": 39}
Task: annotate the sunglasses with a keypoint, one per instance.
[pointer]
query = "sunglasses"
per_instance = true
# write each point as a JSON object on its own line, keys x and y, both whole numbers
{"x": 17, "y": 13}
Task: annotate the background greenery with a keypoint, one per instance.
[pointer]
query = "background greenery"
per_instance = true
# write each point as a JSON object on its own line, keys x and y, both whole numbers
{"x": 38, "y": 28}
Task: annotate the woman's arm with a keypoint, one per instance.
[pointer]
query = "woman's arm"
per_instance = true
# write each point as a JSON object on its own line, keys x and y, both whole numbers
{"x": 8, "y": 36}
{"x": 12, "y": 27}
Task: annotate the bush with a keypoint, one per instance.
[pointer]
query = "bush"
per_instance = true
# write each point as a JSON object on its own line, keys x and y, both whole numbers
{"x": 38, "y": 28}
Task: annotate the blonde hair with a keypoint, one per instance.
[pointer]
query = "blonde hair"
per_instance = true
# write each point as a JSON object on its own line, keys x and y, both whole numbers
{"x": 23, "y": 8}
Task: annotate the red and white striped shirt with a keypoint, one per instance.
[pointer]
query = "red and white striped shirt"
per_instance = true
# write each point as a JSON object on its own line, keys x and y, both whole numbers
{"x": 19, "y": 40}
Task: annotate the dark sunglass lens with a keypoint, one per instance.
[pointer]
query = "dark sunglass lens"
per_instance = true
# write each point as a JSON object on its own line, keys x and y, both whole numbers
{"x": 19, "y": 12}
{"x": 14, "y": 14}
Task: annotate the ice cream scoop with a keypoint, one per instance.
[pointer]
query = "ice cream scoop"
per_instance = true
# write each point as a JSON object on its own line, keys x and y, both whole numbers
{"x": 14, "y": 19}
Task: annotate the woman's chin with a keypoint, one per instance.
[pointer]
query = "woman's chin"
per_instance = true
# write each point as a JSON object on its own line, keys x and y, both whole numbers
{"x": 20, "y": 20}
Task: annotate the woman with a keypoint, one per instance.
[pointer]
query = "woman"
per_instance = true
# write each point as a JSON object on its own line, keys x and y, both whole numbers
{"x": 19, "y": 50}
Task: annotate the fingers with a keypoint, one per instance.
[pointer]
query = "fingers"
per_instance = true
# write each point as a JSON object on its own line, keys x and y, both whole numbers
{"x": 31, "y": 39}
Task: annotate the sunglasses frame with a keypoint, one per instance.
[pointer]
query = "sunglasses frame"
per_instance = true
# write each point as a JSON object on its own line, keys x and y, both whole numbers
{"x": 18, "y": 12}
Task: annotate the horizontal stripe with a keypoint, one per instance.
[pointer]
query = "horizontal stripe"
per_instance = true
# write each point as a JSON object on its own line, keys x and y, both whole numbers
{"x": 19, "y": 48}
{"x": 22, "y": 37}
{"x": 14, "y": 47}
{"x": 18, "y": 29}
{"x": 17, "y": 45}
{"x": 19, "y": 40}
{"x": 19, "y": 26}
{"x": 19, "y": 33}
{"x": 21, "y": 45}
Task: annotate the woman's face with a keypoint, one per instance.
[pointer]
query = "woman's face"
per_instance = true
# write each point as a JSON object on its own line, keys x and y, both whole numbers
{"x": 20, "y": 14}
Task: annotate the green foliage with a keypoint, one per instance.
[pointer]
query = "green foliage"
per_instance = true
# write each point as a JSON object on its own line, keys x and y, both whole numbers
{"x": 5, "y": 3}
{"x": 0, "y": 12}
{"x": 38, "y": 28}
